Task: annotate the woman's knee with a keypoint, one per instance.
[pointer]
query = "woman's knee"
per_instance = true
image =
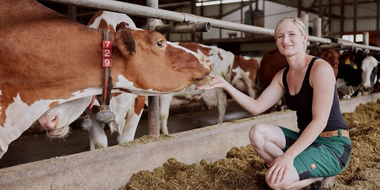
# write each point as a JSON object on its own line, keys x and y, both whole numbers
{"x": 257, "y": 133}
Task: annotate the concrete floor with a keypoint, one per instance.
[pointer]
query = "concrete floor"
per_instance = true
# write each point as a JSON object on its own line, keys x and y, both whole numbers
{"x": 36, "y": 146}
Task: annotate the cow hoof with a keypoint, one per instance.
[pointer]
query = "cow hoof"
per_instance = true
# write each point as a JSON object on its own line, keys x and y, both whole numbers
{"x": 105, "y": 116}
{"x": 86, "y": 124}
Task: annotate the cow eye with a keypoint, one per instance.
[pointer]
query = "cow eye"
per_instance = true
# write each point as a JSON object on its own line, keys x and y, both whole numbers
{"x": 159, "y": 44}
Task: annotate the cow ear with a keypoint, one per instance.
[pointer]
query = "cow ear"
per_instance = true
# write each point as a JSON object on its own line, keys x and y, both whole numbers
{"x": 122, "y": 25}
{"x": 125, "y": 42}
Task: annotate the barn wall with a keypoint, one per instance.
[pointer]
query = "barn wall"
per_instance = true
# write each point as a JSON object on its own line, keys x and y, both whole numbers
{"x": 366, "y": 14}
{"x": 273, "y": 13}
{"x": 112, "y": 167}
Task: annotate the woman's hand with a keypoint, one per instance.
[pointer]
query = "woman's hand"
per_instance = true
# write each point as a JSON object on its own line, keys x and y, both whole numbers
{"x": 216, "y": 82}
{"x": 278, "y": 168}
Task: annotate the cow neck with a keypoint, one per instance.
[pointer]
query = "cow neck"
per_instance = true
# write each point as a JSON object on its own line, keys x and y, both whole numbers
{"x": 107, "y": 65}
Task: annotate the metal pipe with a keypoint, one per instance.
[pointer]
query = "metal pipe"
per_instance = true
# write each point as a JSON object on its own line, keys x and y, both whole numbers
{"x": 196, "y": 27}
{"x": 366, "y": 38}
{"x": 326, "y": 46}
{"x": 153, "y": 101}
{"x": 144, "y": 11}
{"x": 174, "y": 4}
{"x": 317, "y": 25}
{"x": 374, "y": 48}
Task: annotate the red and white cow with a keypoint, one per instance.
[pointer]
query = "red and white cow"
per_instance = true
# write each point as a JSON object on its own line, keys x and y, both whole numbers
{"x": 46, "y": 60}
{"x": 237, "y": 70}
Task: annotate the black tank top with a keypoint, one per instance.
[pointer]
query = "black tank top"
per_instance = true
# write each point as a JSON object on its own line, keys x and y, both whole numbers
{"x": 302, "y": 103}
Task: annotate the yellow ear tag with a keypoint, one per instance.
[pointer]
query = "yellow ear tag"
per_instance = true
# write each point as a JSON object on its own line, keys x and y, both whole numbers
{"x": 355, "y": 66}
{"x": 347, "y": 61}
{"x": 378, "y": 80}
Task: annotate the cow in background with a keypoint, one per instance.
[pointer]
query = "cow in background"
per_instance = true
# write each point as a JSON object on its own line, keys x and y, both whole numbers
{"x": 49, "y": 60}
{"x": 238, "y": 70}
{"x": 349, "y": 78}
{"x": 370, "y": 67}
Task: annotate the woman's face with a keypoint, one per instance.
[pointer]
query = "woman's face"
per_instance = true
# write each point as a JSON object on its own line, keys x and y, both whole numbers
{"x": 289, "y": 39}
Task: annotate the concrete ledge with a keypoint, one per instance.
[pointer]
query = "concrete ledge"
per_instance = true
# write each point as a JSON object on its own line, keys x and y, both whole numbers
{"x": 111, "y": 168}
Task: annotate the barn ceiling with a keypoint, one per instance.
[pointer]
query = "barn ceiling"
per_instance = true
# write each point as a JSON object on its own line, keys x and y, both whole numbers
{"x": 320, "y": 7}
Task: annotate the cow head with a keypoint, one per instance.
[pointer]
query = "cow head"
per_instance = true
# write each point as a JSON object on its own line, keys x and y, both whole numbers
{"x": 369, "y": 73}
{"x": 166, "y": 66}
{"x": 57, "y": 119}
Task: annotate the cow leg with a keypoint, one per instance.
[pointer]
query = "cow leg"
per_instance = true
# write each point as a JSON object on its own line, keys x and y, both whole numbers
{"x": 164, "y": 112}
{"x": 98, "y": 138}
{"x": 250, "y": 86}
{"x": 129, "y": 129}
{"x": 222, "y": 104}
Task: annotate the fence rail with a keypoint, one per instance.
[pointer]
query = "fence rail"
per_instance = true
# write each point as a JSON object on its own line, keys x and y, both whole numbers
{"x": 144, "y": 11}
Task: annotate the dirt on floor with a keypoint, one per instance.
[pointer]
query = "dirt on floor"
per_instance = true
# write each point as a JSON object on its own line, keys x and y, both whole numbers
{"x": 243, "y": 169}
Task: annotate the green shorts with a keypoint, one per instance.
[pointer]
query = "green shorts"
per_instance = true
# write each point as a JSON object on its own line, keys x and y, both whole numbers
{"x": 323, "y": 158}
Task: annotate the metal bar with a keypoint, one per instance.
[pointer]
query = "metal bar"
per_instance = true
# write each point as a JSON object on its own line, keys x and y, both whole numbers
{"x": 153, "y": 101}
{"x": 174, "y": 4}
{"x": 196, "y": 27}
{"x": 143, "y": 11}
{"x": 355, "y": 18}
{"x": 325, "y": 46}
{"x": 373, "y": 48}
{"x": 377, "y": 22}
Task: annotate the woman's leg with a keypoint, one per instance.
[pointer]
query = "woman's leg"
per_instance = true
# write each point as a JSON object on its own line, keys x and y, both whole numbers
{"x": 268, "y": 140}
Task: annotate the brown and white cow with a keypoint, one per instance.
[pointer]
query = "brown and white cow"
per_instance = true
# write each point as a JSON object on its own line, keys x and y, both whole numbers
{"x": 46, "y": 59}
{"x": 127, "y": 107}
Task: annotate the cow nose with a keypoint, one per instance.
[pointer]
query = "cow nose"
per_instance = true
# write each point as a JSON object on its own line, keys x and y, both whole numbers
{"x": 48, "y": 122}
{"x": 367, "y": 88}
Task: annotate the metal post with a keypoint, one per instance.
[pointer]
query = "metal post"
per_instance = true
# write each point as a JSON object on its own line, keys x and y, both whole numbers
{"x": 153, "y": 101}
{"x": 305, "y": 19}
{"x": 366, "y": 38}
{"x": 355, "y": 18}
{"x": 377, "y": 22}
{"x": 317, "y": 25}
{"x": 72, "y": 12}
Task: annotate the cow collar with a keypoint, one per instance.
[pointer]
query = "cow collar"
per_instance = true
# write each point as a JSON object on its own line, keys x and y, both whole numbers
{"x": 105, "y": 115}
{"x": 107, "y": 65}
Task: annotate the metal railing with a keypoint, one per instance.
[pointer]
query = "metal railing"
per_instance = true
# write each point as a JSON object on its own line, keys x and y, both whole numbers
{"x": 144, "y": 11}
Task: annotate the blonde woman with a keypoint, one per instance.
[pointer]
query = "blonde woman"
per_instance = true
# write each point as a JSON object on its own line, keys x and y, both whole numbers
{"x": 322, "y": 147}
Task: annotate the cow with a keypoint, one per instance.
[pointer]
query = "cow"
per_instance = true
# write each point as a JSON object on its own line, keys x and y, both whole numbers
{"x": 47, "y": 59}
{"x": 238, "y": 70}
{"x": 349, "y": 78}
{"x": 369, "y": 68}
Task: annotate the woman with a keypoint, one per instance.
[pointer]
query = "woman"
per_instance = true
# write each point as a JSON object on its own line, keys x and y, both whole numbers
{"x": 322, "y": 148}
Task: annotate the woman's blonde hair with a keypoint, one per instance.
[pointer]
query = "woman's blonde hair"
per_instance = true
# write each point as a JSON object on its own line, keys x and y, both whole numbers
{"x": 300, "y": 25}
{"x": 296, "y": 21}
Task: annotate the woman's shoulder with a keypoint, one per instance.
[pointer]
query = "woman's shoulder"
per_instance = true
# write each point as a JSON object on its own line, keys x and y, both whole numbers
{"x": 321, "y": 68}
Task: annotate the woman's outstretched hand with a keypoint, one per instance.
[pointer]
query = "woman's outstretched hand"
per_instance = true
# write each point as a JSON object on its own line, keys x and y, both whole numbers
{"x": 216, "y": 82}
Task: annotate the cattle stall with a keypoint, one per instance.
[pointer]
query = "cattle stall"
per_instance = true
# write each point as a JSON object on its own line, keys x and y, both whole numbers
{"x": 112, "y": 167}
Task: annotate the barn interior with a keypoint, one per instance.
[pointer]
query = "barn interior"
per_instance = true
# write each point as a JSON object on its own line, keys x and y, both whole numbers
{"x": 354, "y": 20}
{"x": 349, "y": 18}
